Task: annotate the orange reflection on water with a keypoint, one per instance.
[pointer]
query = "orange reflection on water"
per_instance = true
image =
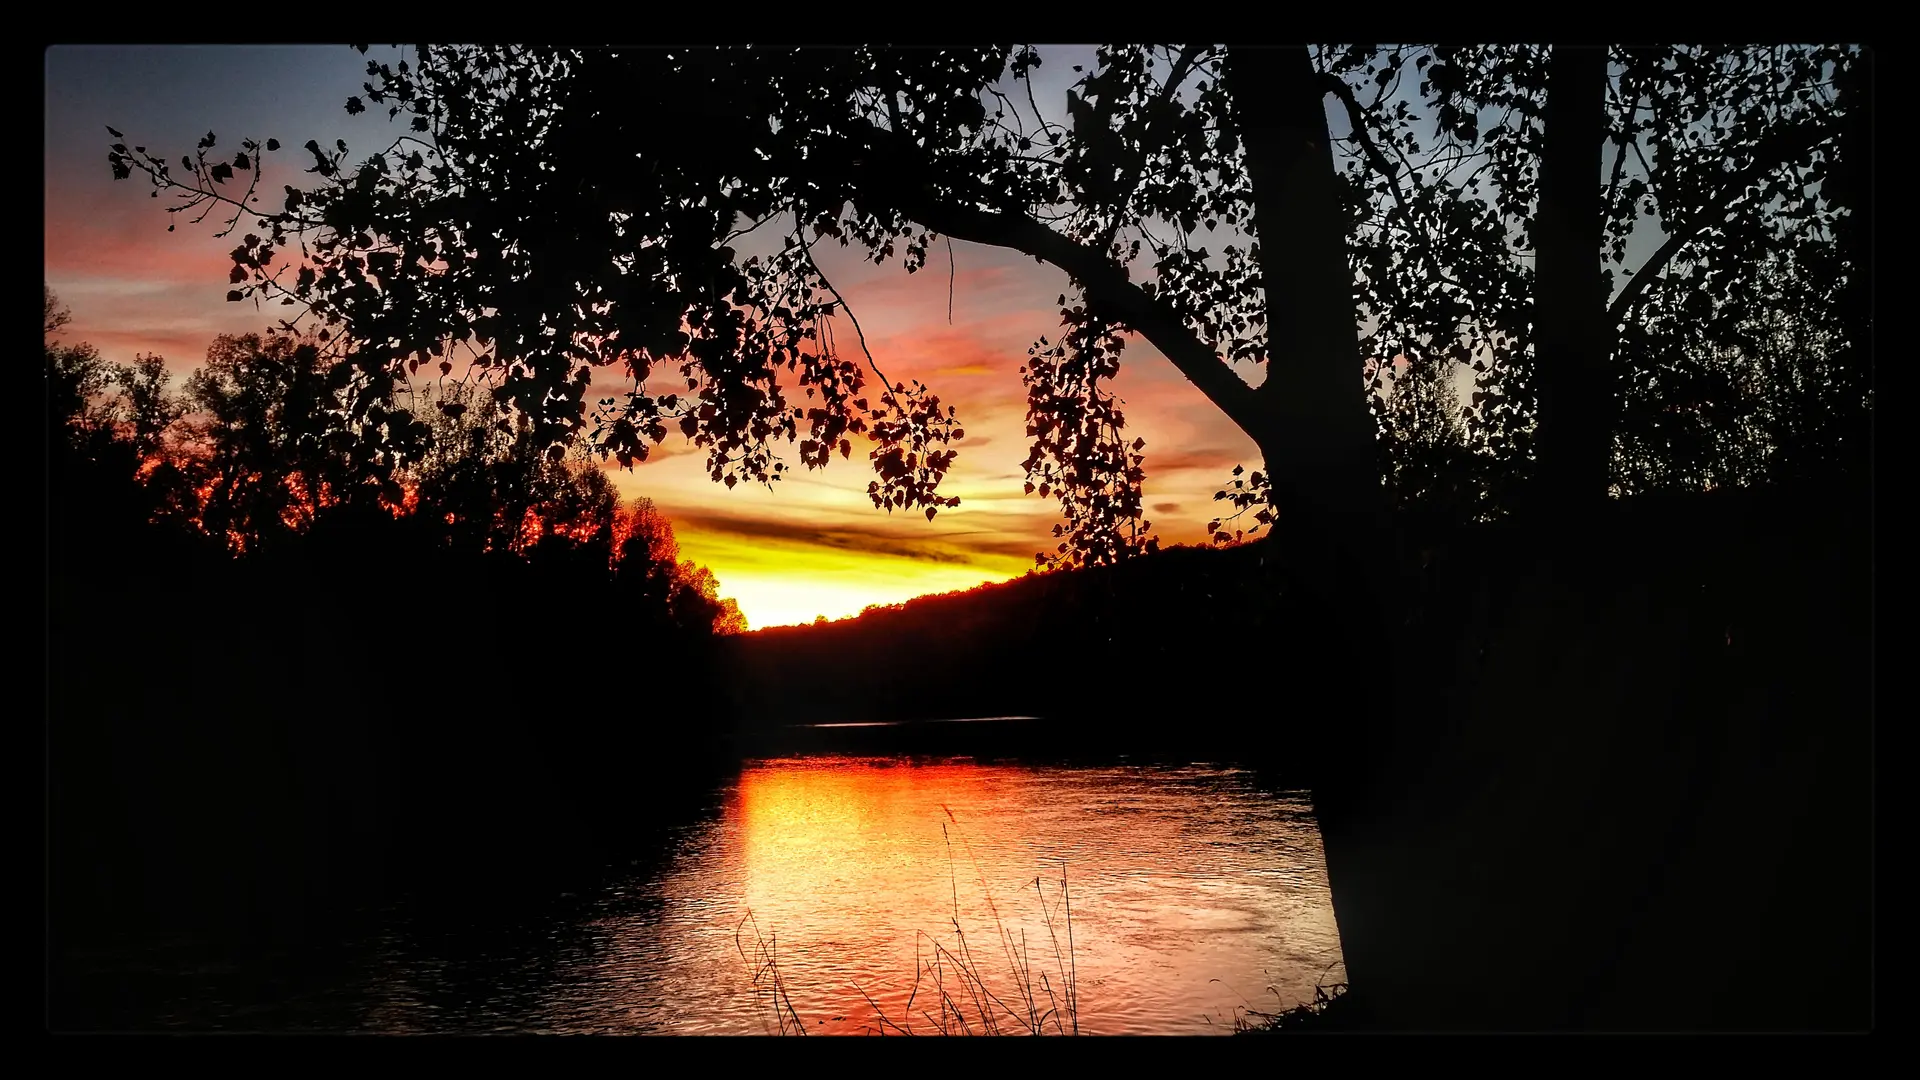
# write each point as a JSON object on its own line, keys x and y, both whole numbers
{"x": 1192, "y": 893}
{"x": 856, "y": 869}
{"x": 867, "y": 869}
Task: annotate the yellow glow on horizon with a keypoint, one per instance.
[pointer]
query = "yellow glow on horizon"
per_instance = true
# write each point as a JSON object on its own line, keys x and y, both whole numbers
{"x": 780, "y": 583}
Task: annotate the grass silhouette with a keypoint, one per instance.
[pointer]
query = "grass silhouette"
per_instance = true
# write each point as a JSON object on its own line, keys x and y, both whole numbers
{"x": 959, "y": 999}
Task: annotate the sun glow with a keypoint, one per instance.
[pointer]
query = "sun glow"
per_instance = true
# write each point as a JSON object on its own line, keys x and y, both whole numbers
{"x": 779, "y": 584}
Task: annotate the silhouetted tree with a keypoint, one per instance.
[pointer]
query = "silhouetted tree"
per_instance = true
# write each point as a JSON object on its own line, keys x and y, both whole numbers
{"x": 553, "y": 211}
{"x": 275, "y": 441}
{"x": 221, "y": 749}
{"x": 888, "y": 149}
{"x": 76, "y": 381}
{"x": 495, "y": 489}
{"x": 1431, "y": 470}
{"x": 150, "y": 410}
{"x": 259, "y": 447}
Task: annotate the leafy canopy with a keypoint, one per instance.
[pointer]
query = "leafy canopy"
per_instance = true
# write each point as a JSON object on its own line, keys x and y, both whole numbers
{"x": 547, "y": 213}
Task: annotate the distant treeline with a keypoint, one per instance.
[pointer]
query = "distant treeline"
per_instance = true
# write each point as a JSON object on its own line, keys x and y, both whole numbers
{"x": 1042, "y": 643}
{"x": 1202, "y": 650}
{"x": 286, "y": 660}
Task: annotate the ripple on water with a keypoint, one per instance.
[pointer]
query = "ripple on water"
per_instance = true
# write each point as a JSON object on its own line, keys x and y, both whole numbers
{"x": 1193, "y": 892}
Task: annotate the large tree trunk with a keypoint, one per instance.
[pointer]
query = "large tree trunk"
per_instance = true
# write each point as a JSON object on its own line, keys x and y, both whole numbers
{"x": 1525, "y": 830}
{"x": 1313, "y": 394}
{"x": 1572, "y": 354}
{"x": 1330, "y": 537}
{"x": 1541, "y": 800}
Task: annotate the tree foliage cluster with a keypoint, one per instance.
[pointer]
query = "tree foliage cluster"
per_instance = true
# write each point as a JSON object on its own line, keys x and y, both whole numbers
{"x": 1644, "y": 258}
{"x": 1647, "y": 267}
{"x": 276, "y": 683}
{"x": 258, "y": 447}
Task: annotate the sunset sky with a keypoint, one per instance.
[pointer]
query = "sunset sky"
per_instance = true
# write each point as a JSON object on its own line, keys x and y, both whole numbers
{"x": 815, "y": 544}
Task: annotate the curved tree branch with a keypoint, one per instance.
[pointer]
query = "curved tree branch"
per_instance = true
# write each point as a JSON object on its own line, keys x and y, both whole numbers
{"x": 1106, "y": 285}
{"x": 799, "y": 234}
{"x": 1356, "y": 115}
{"x": 1771, "y": 155}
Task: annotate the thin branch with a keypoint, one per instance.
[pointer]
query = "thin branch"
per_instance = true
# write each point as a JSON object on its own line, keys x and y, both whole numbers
{"x": 737, "y": 233}
{"x": 1784, "y": 149}
{"x": 1397, "y": 64}
{"x": 167, "y": 181}
{"x": 1357, "y": 117}
{"x": 886, "y": 387}
{"x": 1045, "y": 126}
{"x": 893, "y": 113}
{"x": 1620, "y": 153}
{"x": 1642, "y": 157}
{"x": 1182, "y": 66}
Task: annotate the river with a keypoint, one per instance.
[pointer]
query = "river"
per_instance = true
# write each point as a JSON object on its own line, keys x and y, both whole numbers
{"x": 825, "y": 892}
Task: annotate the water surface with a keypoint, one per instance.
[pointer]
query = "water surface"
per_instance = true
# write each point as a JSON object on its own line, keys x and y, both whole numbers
{"x": 1191, "y": 891}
